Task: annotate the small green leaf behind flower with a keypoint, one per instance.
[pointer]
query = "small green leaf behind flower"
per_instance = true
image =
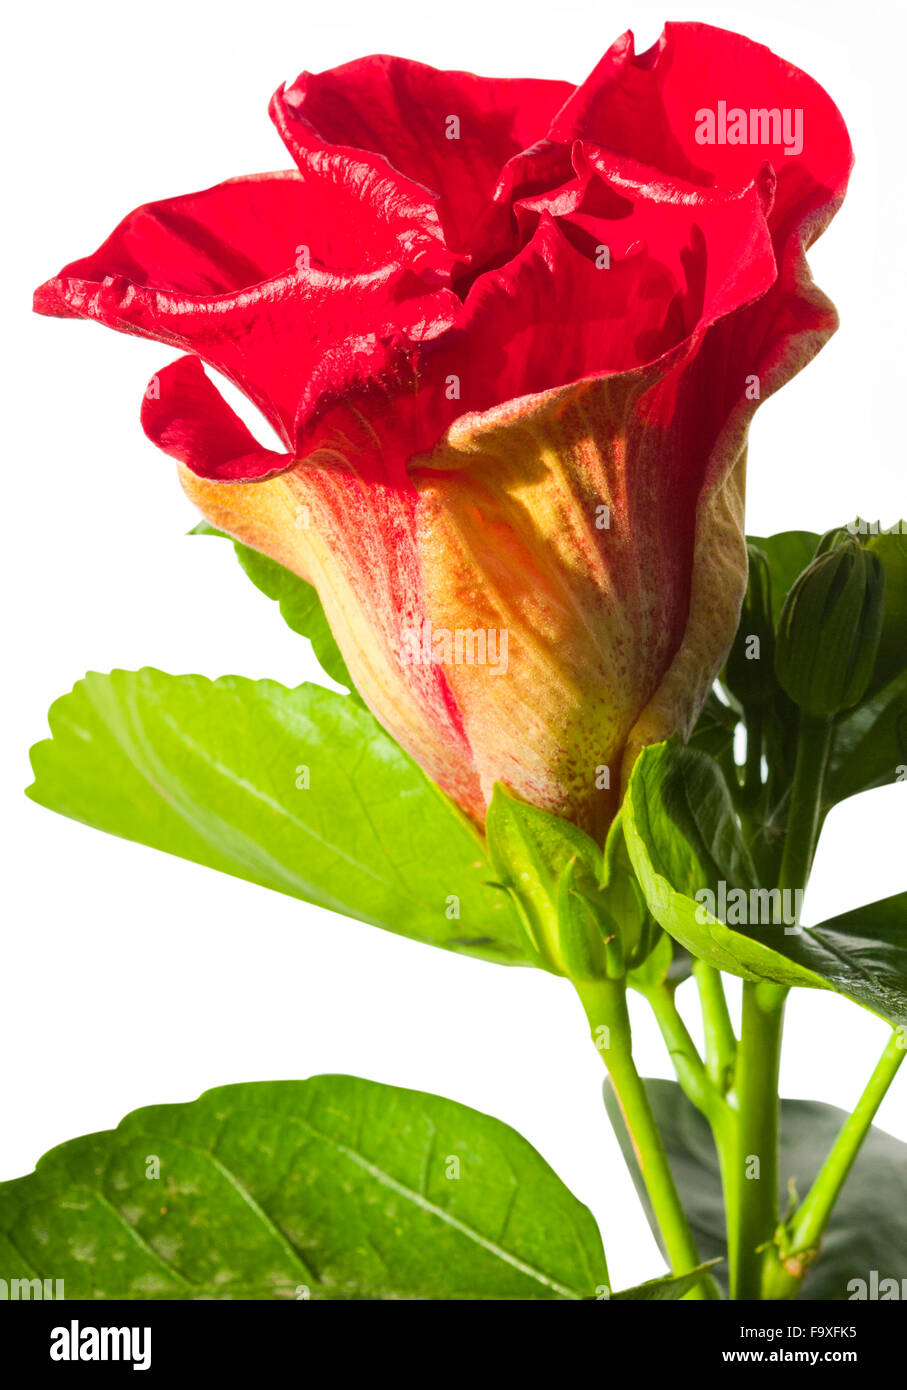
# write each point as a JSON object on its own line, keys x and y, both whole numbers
{"x": 300, "y": 606}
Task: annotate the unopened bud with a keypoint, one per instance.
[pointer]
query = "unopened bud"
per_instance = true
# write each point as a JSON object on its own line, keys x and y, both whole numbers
{"x": 828, "y": 633}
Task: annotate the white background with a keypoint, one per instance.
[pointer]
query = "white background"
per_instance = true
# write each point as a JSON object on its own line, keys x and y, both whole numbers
{"x": 131, "y": 977}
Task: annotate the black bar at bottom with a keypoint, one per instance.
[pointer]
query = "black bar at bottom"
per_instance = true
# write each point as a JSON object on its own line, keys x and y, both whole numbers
{"x": 389, "y": 1337}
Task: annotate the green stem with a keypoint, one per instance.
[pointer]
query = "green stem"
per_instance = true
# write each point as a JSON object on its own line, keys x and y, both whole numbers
{"x": 805, "y": 814}
{"x": 605, "y": 1002}
{"x": 720, "y": 1042}
{"x": 753, "y": 1180}
{"x": 694, "y": 1079}
{"x": 784, "y": 1277}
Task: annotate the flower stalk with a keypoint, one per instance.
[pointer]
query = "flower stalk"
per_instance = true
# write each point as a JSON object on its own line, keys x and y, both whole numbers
{"x": 720, "y": 1040}
{"x": 805, "y": 816}
{"x": 753, "y": 1210}
{"x": 605, "y": 1003}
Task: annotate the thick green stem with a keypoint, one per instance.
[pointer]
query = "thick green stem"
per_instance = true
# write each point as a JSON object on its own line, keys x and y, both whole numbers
{"x": 753, "y": 1205}
{"x": 605, "y": 1002}
{"x": 720, "y": 1042}
{"x": 786, "y": 1272}
{"x": 753, "y": 1183}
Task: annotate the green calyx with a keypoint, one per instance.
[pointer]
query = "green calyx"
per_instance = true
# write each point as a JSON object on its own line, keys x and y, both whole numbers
{"x": 830, "y": 625}
{"x": 582, "y": 912}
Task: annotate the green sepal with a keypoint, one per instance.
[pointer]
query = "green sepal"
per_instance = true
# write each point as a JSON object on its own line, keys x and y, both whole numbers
{"x": 584, "y": 953}
{"x": 890, "y": 547}
{"x": 582, "y": 911}
{"x": 532, "y": 852}
{"x": 624, "y": 900}
{"x": 657, "y": 966}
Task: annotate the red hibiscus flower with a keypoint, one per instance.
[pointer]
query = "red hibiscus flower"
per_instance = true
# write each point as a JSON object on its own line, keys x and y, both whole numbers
{"x": 510, "y": 335}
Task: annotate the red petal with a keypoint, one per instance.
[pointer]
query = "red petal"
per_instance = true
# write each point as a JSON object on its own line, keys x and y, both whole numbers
{"x": 184, "y": 414}
{"x": 645, "y": 106}
{"x": 548, "y": 318}
{"x": 229, "y": 274}
{"x": 390, "y": 113}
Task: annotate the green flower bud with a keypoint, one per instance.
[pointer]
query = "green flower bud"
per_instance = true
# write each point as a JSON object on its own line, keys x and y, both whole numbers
{"x": 750, "y": 670}
{"x": 837, "y": 536}
{"x": 828, "y": 633}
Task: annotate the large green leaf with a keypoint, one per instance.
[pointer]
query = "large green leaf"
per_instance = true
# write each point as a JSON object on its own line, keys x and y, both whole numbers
{"x": 300, "y": 606}
{"x": 329, "y": 1188}
{"x": 683, "y": 837}
{"x": 216, "y": 771}
{"x": 868, "y": 1227}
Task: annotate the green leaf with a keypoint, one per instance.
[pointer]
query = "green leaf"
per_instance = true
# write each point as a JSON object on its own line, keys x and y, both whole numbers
{"x": 870, "y": 744}
{"x": 300, "y": 606}
{"x": 666, "y": 1290}
{"x": 865, "y": 955}
{"x": 788, "y": 553}
{"x": 683, "y": 838}
{"x": 682, "y": 806}
{"x": 714, "y": 731}
{"x": 298, "y": 790}
{"x": 868, "y": 1226}
{"x": 333, "y": 1187}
